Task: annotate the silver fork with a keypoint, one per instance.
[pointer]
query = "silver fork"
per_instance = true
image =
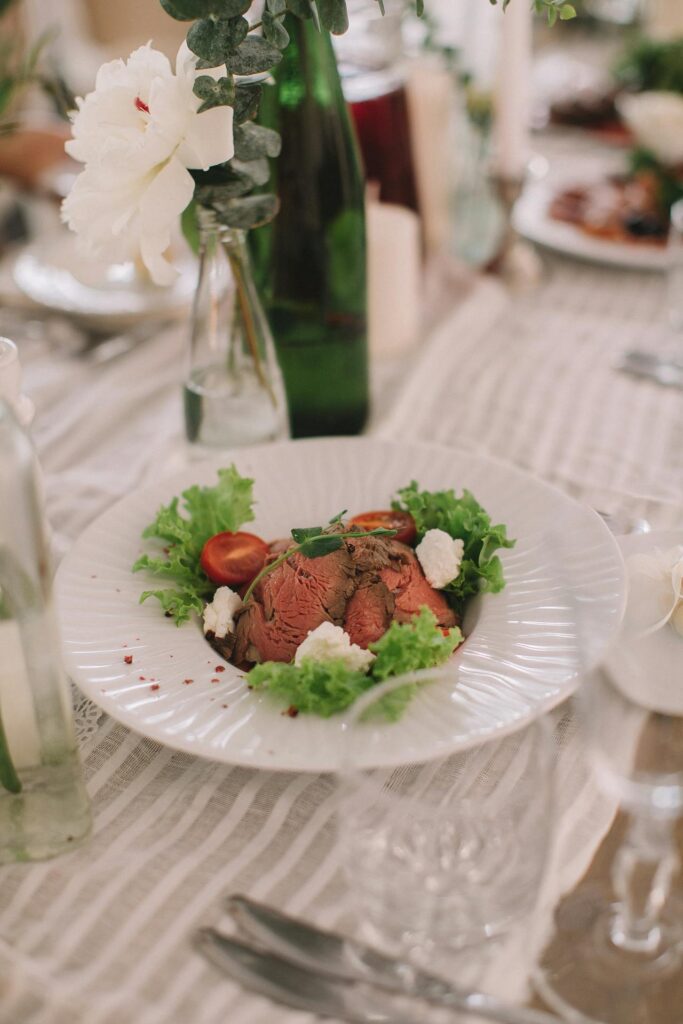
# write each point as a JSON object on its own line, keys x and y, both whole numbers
{"x": 310, "y": 968}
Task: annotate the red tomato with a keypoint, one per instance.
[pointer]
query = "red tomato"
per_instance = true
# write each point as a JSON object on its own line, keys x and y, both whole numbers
{"x": 402, "y": 522}
{"x": 232, "y": 558}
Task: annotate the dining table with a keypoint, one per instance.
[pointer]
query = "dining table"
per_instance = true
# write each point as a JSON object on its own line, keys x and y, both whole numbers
{"x": 528, "y": 376}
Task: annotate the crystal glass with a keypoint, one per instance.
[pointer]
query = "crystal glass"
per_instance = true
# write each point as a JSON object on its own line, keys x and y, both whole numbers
{"x": 444, "y": 856}
{"x": 233, "y": 393}
{"x": 44, "y": 807}
{"x": 617, "y": 955}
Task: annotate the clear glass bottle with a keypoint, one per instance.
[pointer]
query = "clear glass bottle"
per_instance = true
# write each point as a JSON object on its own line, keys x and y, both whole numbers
{"x": 234, "y": 393}
{"x": 44, "y": 808}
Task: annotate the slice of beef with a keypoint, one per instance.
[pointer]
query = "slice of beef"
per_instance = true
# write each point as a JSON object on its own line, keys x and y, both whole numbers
{"x": 411, "y": 589}
{"x": 370, "y": 554}
{"x": 223, "y": 645}
{"x": 291, "y": 601}
{"x": 369, "y": 612}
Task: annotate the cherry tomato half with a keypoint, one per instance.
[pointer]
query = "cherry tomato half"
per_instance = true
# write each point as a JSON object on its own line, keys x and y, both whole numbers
{"x": 388, "y": 519}
{"x": 232, "y": 558}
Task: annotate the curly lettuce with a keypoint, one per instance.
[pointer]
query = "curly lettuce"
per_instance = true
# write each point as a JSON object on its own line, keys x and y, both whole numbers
{"x": 481, "y": 569}
{"x": 327, "y": 687}
{"x": 205, "y": 512}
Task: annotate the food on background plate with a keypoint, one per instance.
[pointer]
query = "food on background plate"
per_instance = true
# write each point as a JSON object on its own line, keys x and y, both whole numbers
{"x": 333, "y": 609}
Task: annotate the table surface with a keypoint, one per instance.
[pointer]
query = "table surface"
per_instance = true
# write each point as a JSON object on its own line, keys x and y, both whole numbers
{"x": 102, "y": 934}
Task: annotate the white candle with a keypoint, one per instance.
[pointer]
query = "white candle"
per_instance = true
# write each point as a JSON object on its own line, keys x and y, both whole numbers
{"x": 16, "y": 703}
{"x": 513, "y": 92}
{"x": 394, "y": 272}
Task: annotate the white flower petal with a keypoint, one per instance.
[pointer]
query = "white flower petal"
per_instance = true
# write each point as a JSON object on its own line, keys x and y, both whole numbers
{"x": 162, "y": 203}
{"x": 208, "y": 139}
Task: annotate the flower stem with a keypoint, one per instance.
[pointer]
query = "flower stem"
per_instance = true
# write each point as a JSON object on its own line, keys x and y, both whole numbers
{"x": 8, "y": 775}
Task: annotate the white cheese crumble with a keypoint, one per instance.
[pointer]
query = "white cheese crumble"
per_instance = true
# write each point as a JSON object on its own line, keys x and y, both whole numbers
{"x": 328, "y": 641}
{"x": 219, "y": 614}
{"x": 440, "y": 556}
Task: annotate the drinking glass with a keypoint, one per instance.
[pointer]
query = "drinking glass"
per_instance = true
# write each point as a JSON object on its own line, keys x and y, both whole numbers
{"x": 617, "y": 955}
{"x": 444, "y": 856}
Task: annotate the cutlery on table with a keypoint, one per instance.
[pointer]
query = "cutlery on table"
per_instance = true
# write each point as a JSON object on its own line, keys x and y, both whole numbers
{"x": 310, "y": 968}
{"x": 668, "y": 372}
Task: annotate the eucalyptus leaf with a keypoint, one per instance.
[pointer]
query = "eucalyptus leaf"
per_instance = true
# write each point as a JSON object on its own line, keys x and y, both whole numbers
{"x": 247, "y": 99}
{"x": 299, "y": 8}
{"x": 215, "y": 41}
{"x": 188, "y": 10}
{"x": 253, "y": 56}
{"x": 258, "y": 171}
{"x": 276, "y": 7}
{"x": 333, "y": 15}
{"x": 214, "y": 93}
{"x": 253, "y": 141}
{"x": 274, "y": 31}
{"x": 249, "y": 211}
{"x": 302, "y": 533}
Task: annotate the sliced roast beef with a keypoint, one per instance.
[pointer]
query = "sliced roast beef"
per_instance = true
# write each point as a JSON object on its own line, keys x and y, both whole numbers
{"x": 292, "y": 600}
{"x": 369, "y": 612}
{"x": 411, "y": 589}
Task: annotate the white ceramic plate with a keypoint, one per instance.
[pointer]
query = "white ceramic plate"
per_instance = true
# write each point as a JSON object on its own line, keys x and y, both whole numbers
{"x": 533, "y": 220}
{"x": 514, "y": 665}
{"x": 650, "y": 672}
{"x": 54, "y": 274}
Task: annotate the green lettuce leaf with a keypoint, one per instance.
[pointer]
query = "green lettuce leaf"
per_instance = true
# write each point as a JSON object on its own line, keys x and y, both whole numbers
{"x": 481, "y": 569}
{"x": 313, "y": 687}
{"x": 326, "y": 687}
{"x": 207, "y": 511}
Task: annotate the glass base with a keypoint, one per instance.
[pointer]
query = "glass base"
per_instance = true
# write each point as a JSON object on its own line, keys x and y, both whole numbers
{"x": 586, "y": 978}
{"x": 50, "y": 816}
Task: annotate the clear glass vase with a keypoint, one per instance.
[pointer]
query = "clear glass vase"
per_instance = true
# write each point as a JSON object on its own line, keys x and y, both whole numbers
{"x": 233, "y": 392}
{"x": 44, "y": 808}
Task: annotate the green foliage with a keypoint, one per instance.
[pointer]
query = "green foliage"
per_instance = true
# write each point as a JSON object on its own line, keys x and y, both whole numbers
{"x": 651, "y": 64}
{"x": 327, "y": 687}
{"x": 554, "y": 9}
{"x": 253, "y": 141}
{"x": 206, "y": 511}
{"x": 216, "y": 41}
{"x": 481, "y": 569}
{"x": 669, "y": 182}
{"x": 214, "y": 93}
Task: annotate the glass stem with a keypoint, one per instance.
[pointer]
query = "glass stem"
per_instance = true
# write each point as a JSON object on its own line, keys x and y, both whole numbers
{"x": 641, "y": 876}
{"x": 8, "y": 775}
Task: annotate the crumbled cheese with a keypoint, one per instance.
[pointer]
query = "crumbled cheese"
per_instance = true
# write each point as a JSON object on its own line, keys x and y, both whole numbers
{"x": 328, "y": 641}
{"x": 219, "y": 614}
{"x": 440, "y": 556}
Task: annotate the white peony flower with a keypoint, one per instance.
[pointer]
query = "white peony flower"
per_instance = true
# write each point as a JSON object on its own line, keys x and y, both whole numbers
{"x": 656, "y": 120}
{"x": 138, "y": 134}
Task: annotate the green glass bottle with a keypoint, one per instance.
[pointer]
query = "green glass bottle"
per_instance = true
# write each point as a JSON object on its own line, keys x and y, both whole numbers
{"x": 310, "y": 262}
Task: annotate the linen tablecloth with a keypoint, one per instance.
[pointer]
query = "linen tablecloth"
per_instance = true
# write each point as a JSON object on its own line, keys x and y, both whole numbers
{"x": 101, "y": 935}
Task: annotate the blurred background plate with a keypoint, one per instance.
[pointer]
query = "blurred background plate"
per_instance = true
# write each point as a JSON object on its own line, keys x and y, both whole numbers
{"x": 55, "y": 275}
{"x": 532, "y": 219}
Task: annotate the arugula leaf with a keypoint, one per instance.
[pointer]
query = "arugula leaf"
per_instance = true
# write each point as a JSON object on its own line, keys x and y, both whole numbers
{"x": 208, "y": 510}
{"x": 326, "y": 687}
{"x": 481, "y": 569}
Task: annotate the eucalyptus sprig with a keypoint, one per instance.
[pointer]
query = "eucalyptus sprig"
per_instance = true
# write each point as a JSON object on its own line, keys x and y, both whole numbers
{"x": 554, "y": 9}
{"x": 314, "y": 541}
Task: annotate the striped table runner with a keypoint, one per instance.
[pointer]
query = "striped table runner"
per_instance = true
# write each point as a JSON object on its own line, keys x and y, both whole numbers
{"x": 102, "y": 934}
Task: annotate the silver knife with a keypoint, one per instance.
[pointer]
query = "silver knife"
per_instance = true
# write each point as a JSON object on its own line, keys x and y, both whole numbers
{"x": 337, "y": 956}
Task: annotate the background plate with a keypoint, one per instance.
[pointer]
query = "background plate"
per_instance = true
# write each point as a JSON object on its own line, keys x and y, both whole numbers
{"x": 532, "y": 220}
{"x": 515, "y": 664}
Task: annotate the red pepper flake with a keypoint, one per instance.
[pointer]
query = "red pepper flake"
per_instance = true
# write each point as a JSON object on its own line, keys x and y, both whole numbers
{"x": 154, "y": 686}
{"x": 186, "y": 682}
{"x": 128, "y": 658}
{"x": 214, "y": 680}
{"x": 141, "y": 105}
{"x": 291, "y": 711}
{"x": 219, "y": 668}
{"x": 142, "y": 678}
{"x": 225, "y": 705}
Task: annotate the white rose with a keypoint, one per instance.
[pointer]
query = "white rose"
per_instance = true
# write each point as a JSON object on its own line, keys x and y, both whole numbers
{"x": 656, "y": 120}
{"x": 138, "y": 134}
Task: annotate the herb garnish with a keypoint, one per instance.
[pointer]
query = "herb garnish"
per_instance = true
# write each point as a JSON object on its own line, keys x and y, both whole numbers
{"x": 314, "y": 541}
